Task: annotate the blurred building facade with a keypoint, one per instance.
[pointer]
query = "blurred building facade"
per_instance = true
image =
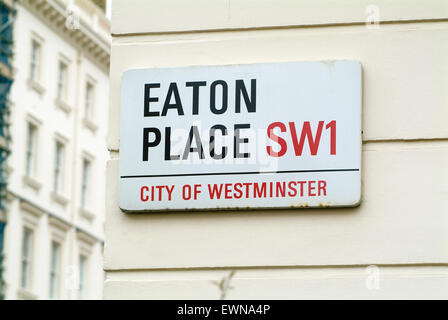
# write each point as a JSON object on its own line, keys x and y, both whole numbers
{"x": 56, "y": 170}
{"x": 6, "y": 42}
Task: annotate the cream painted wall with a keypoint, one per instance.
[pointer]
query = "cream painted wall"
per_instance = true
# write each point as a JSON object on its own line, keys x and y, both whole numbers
{"x": 401, "y": 225}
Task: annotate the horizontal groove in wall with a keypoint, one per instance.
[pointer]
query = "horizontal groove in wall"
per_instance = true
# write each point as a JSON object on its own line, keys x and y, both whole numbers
{"x": 307, "y": 26}
{"x": 409, "y": 140}
{"x": 268, "y": 268}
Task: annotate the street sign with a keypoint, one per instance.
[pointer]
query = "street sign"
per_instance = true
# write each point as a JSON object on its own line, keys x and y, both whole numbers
{"x": 277, "y": 135}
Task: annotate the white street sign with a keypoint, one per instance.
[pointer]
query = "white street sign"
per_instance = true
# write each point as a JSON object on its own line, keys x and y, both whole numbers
{"x": 275, "y": 135}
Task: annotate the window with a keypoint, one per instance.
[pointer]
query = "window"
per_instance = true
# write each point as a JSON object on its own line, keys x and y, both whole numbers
{"x": 88, "y": 110}
{"x": 36, "y": 51}
{"x": 27, "y": 245}
{"x": 62, "y": 81}
{"x": 85, "y": 183}
{"x": 58, "y": 167}
{"x": 82, "y": 276}
{"x": 54, "y": 269}
{"x": 31, "y": 142}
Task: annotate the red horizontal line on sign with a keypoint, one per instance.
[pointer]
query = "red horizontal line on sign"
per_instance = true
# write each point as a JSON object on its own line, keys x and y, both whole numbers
{"x": 233, "y": 173}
